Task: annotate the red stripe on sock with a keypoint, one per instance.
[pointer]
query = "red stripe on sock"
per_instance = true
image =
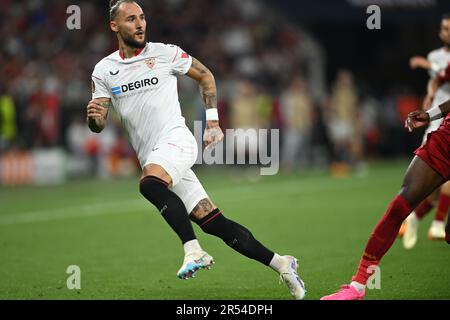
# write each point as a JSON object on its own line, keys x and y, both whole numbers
{"x": 210, "y": 219}
{"x": 442, "y": 210}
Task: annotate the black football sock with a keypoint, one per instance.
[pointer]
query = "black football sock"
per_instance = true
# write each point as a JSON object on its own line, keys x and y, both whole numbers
{"x": 170, "y": 205}
{"x": 235, "y": 236}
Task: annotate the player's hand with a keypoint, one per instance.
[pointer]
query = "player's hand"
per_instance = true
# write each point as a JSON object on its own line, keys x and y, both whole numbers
{"x": 213, "y": 134}
{"x": 419, "y": 62}
{"x": 95, "y": 111}
{"x": 416, "y": 119}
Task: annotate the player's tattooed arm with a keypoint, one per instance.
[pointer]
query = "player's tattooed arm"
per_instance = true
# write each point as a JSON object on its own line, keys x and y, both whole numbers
{"x": 213, "y": 134}
{"x": 97, "y": 113}
{"x": 206, "y": 83}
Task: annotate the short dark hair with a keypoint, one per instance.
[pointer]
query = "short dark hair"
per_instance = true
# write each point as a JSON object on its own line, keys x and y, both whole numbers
{"x": 114, "y": 7}
{"x": 446, "y": 16}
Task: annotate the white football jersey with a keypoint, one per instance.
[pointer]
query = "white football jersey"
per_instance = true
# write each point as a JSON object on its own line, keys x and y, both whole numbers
{"x": 440, "y": 58}
{"x": 143, "y": 92}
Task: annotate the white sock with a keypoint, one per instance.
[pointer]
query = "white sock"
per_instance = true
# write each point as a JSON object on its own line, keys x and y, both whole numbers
{"x": 358, "y": 286}
{"x": 437, "y": 223}
{"x": 191, "y": 246}
{"x": 277, "y": 263}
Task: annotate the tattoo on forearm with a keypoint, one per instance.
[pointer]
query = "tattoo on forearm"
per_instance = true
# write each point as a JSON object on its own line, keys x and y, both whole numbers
{"x": 209, "y": 93}
{"x": 210, "y": 100}
{"x": 207, "y": 86}
{"x": 199, "y": 67}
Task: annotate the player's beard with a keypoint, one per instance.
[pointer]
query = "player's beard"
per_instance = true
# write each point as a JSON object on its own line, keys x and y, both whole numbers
{"x": 131, "y": 42}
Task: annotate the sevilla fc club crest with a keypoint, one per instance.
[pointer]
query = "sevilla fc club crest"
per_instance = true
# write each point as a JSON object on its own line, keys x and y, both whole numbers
{"x": 150, "y": 62}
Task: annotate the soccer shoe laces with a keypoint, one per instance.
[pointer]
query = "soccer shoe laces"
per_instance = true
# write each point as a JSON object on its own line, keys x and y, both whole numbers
{"x": 294, "y": 284}
{"x": 288, "y": 282}
{"x": 283, "y": 280}
{"x": 345, "y": 287}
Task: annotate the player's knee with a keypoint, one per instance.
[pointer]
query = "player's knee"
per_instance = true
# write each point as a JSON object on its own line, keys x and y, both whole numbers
{"x": 410, "y": 196}
{"x": 152, "y": 187}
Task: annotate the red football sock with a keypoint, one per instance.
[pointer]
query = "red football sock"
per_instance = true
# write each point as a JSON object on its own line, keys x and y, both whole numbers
{"x": 423, "y": 208}
{"x": 442, "y": 209}
{"x": 383, "y": 236}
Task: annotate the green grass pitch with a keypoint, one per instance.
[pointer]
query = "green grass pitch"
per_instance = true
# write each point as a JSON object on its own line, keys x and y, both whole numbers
{"x": 126, "y": 251}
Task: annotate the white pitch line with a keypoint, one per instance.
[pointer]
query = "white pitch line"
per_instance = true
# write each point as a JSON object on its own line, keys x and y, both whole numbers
{"x": 116, "y": 207}
{"x": 86, "y": 210}
{"x": 89, "y": 210}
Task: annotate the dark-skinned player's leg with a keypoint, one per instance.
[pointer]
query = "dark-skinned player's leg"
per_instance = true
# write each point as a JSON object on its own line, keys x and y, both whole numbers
{"x": 437, "y": 228}
{"x": 443, "y": 203}
{"x": 419, "y": 182}
{"x": 410, "y": 227}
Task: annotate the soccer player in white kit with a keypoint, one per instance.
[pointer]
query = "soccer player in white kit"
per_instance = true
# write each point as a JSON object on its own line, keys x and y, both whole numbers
{"x": 140, "y": 82}
{"x": 436, "y": 63}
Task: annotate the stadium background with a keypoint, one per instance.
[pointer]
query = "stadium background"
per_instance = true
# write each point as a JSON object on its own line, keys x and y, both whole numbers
{"x": 337, "y": 91}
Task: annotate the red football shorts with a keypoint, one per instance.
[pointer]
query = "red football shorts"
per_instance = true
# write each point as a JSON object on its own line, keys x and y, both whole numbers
{"x": 436, "y": 151}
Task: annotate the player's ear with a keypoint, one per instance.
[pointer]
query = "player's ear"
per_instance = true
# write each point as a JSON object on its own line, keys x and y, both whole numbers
{"x": 114, "y": 27}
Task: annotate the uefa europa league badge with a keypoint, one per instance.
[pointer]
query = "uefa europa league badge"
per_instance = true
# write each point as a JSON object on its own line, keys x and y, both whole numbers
{"x": 150, "y": 62}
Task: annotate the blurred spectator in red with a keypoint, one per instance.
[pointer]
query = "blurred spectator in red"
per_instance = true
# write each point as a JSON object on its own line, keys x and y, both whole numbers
{"x": 406, "y": 103}
{"x": 370, "y": 109}
{"x": 42, "y": 115}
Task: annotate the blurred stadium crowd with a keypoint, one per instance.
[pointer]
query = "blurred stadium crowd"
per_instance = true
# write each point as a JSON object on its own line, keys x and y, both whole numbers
{"x": 269, "y": 71}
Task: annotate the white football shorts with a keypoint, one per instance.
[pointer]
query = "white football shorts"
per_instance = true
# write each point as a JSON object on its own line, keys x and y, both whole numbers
{"x": 176, "y": 153}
